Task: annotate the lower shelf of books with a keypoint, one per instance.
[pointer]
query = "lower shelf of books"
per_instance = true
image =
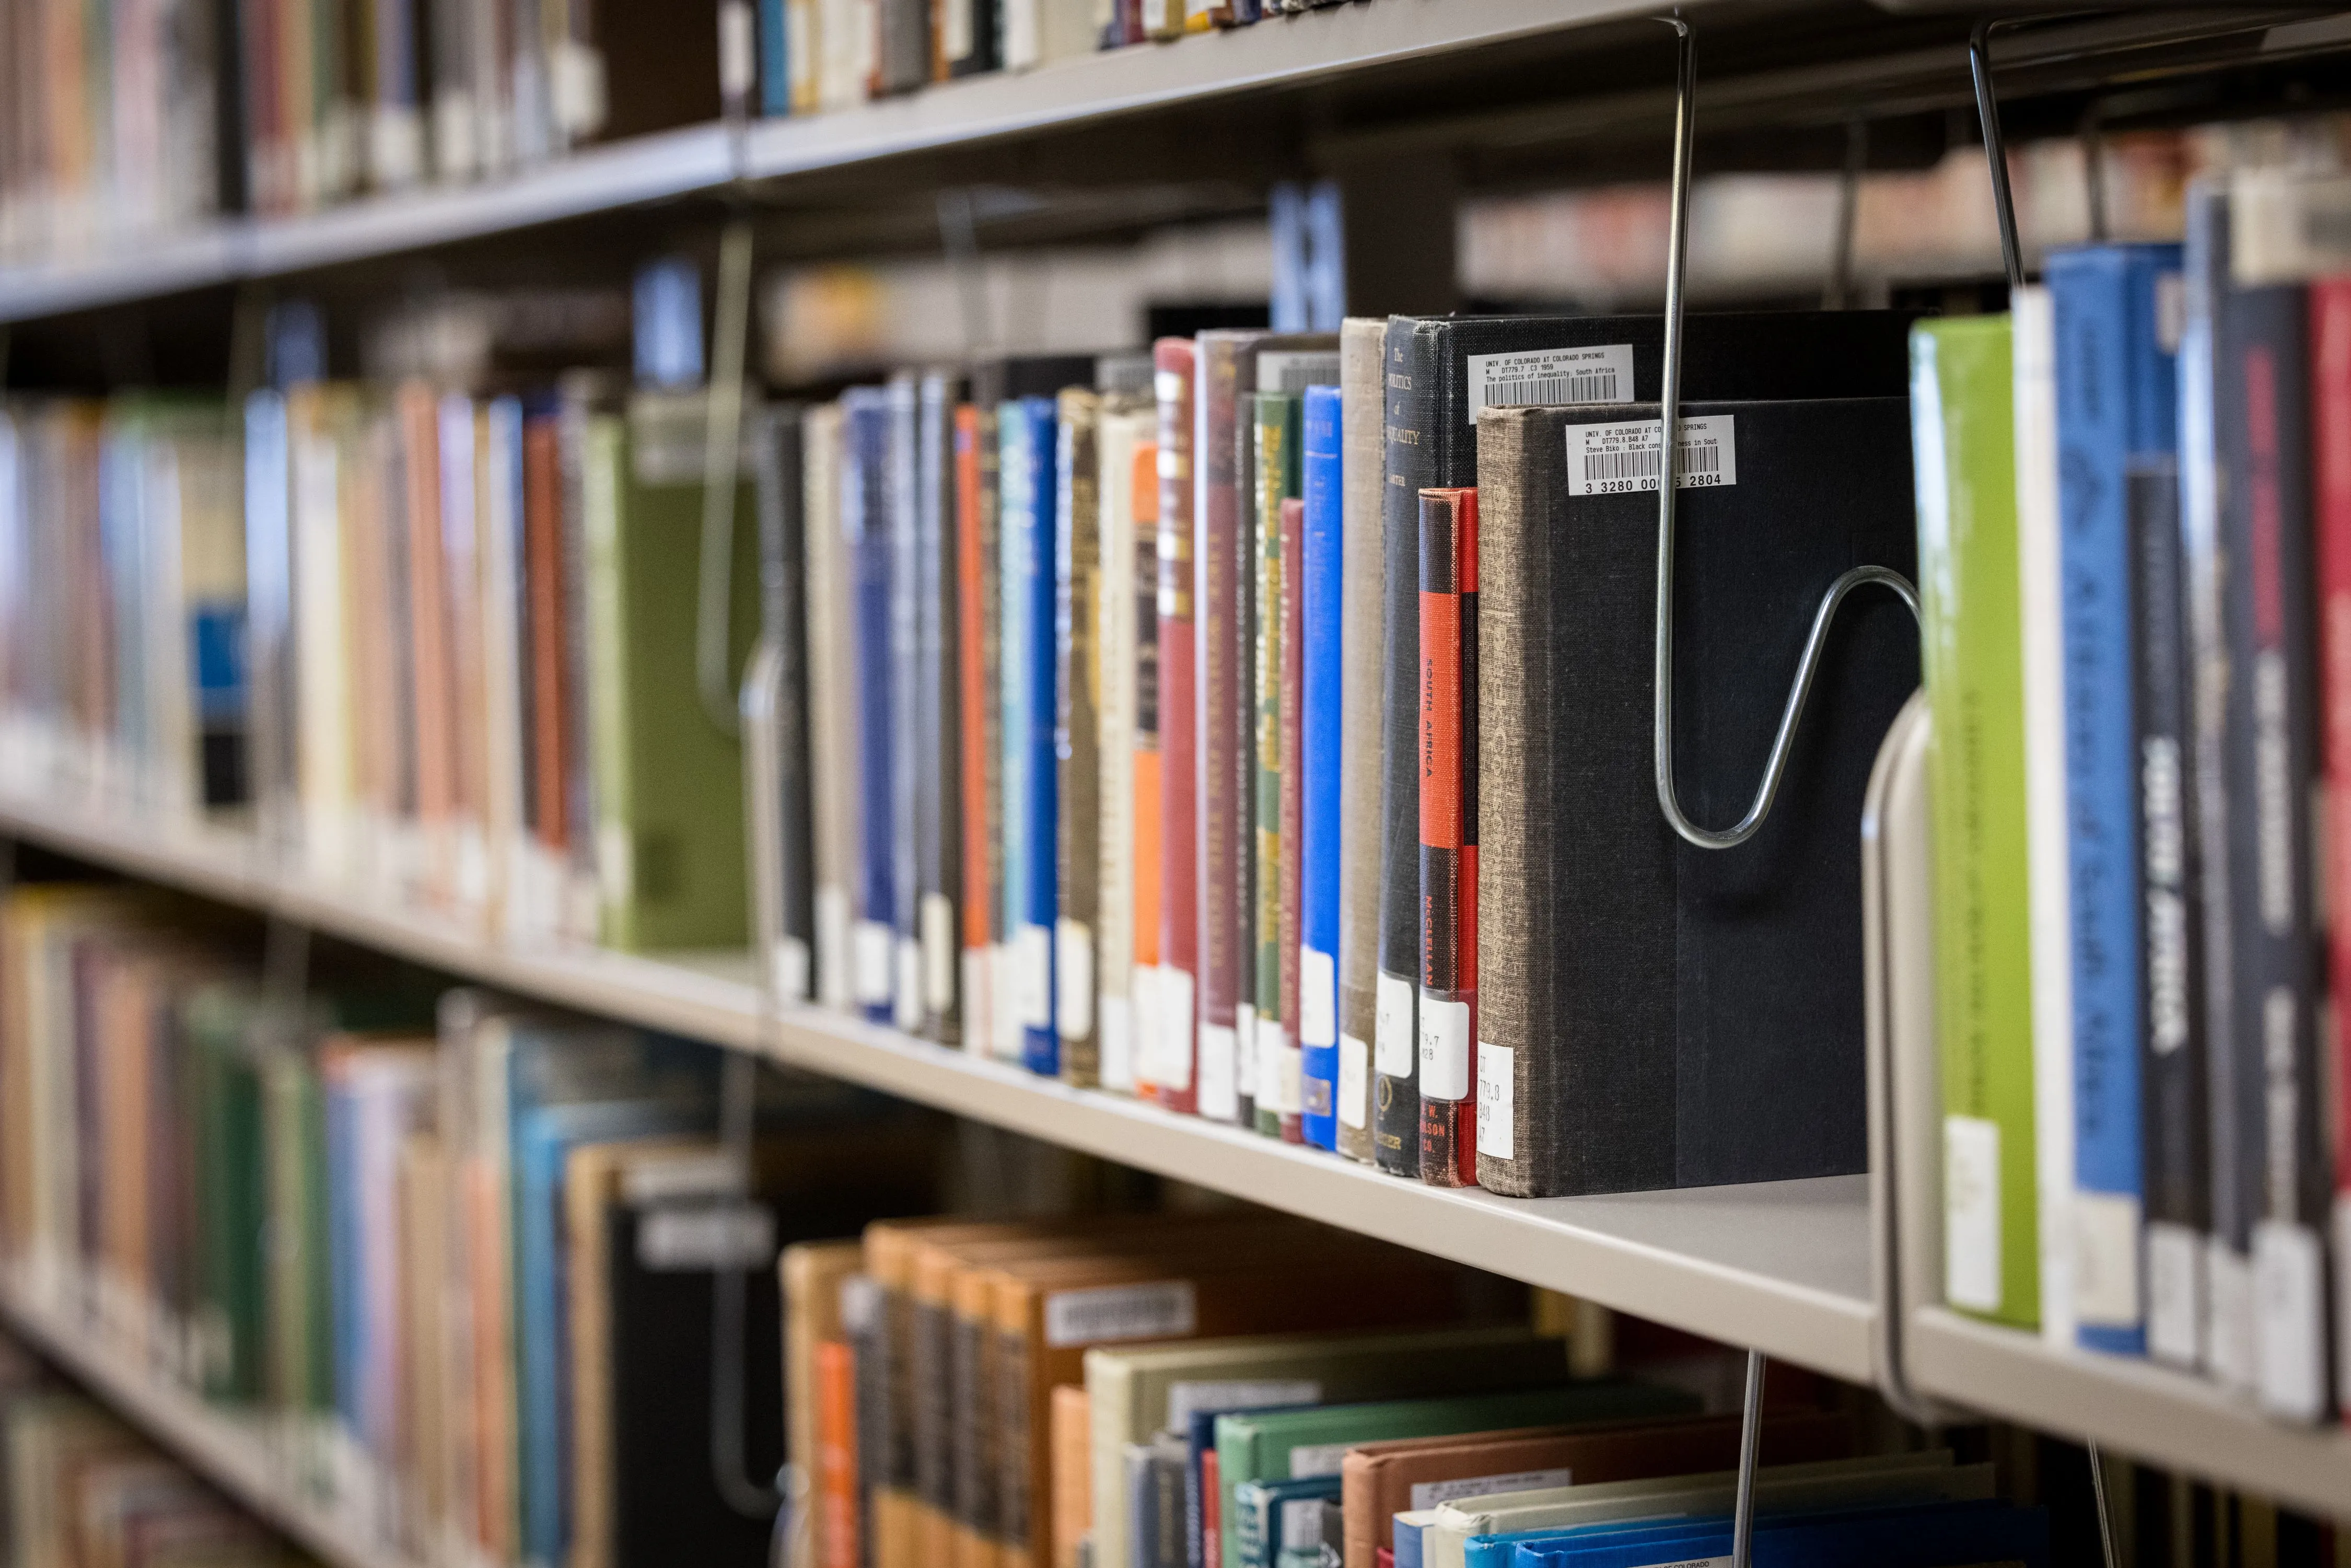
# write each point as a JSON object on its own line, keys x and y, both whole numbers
{"x": 237, "y": 1455}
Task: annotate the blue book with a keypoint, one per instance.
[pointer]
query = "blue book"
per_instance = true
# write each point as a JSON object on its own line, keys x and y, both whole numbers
{"x": 899, "y": 491}
{"x": 1028, "y": 527}
{"x": 775, "y": 59}
{"x": 865, "y": 530}
{"x": 1923, "y": 1537}
{"x": 1318, "y": 864}
{"x": 2118, "y": 406}
{"x": 1016, "y": 481}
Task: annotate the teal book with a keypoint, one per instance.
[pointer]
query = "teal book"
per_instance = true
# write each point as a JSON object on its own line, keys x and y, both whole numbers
{"x": 667, "y": 775}
{"x": 1297, "y": 1444}
{"x": 1276, "y": 1522}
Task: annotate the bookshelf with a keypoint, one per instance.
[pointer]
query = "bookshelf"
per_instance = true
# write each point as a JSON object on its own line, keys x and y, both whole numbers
{"x": 233, "y": 1455}
{"x": 1784, "y": 1267}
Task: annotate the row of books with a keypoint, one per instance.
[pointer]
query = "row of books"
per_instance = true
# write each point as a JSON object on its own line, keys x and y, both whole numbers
{"x": 2135, "y": 531}
{"x": 1272, "y": 745}
{"x": 128, "y": 121}
{"x": 86, "y": 1491}
{"x": 1217, "y": 1445}
{"x": 460, "y": 1276}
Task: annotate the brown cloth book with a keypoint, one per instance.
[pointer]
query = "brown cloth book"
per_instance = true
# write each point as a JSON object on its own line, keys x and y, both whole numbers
{"x": 1380, "y": 1481}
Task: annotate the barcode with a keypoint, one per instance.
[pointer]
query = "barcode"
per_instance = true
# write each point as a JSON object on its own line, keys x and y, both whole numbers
{"x": 1642, "y": 463}
{"x": 1598, "y": 386}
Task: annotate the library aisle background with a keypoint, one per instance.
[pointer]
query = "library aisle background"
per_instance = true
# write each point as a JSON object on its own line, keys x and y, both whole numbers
{"x": 888, "y": 783}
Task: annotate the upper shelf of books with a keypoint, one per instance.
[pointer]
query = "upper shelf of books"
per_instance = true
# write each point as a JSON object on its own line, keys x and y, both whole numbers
{"x": 106, "y": 199}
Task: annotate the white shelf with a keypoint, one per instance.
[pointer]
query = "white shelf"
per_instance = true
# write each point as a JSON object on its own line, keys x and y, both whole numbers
{"x": 2130, "y": 1405}
{"x": 1784, "y": 1266}
{"x": 232, "y": 1454}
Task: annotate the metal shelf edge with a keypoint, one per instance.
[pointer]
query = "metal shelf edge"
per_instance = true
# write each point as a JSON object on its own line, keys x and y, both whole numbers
{"x": 210, "y": 1443}
{"x": 2168, "y": 1417}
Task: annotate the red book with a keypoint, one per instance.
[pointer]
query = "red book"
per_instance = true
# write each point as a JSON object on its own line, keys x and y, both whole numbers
{"x": 836, "y": 1453}
{"x": 979, "y": 733}
{"x": 1448, "y": 837}
{"x": 1294, "y": 776}
{"x": 1173, "y": 1081}
{"x": 2330, "y": 331}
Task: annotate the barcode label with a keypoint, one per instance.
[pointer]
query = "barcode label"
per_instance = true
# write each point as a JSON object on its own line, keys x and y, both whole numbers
{"x": 1107, "y": 1313}
{"x": 1603, "y": 373}
{"x": 1295, "y": 369}
{"x": 1617, "y": 459}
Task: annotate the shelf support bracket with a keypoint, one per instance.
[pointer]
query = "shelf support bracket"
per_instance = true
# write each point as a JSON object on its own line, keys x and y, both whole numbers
{"x": 1751, "y": 1438}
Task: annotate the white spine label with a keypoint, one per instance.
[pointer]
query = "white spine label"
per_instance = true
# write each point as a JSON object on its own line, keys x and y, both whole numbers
{"x": 1186, "y": 1399}
{"x": 1354, "y": 1088}
{"x": 2290, "y": 1332}
{"x": 1602, "y": 373}
{"x": 2106, "y": 1259}
{"x": 1220, "y": 1100}
{"x": 1117, "y": 1038}
{"x": 1443, "y": 1049}
{"x": 1971, "y": 1212}
{"x": 1293, "y": 371}
{"x": 790, "y": 958}
{"x": 1109, "y": 1314}
{"x": 977, "y": 1020}
{"x": 1497, "y": 1099}
{"x": 1430, "y": 1494}
{"x": 1317, "y": 1459}
{"x": 1175, "y": 1067}
{"x": 1272, "y": 1052}
{"x": 1244, "y": 1049}
{"x": 1318, "y": 998}
{"x": 1073, "y": 978}
{"x": 1616, "y": 459}
{"x": 908, "y": 992}
{"x": 872, "y": 964}
{"x": 938, "y": 953}
{"x": 1393, "y": 1031}
{"x": 2175, "y": 1296}
{"x": 1032, "y": 977}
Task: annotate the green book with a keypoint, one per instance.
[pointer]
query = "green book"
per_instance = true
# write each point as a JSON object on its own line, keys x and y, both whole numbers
{"x": 1964, "y": 440}
{"x": 301, "y": 1376}
{"x": 1280, "y": 1094}
{"x": 1278, "y": 1522}
{"x": 231, "y": 1203}
{"x": 1292, "y": 1445}
{"x": 667, "y": 776}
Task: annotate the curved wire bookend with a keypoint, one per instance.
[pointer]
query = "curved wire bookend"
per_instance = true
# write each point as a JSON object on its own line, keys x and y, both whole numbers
{"x": 1669, "y": 412}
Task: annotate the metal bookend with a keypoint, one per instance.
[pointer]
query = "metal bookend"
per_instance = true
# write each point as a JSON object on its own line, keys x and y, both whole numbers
{"x": 1750, "y": 1439}
{"x": 2011, "y": 253}
{"x": 1669, "y": 412}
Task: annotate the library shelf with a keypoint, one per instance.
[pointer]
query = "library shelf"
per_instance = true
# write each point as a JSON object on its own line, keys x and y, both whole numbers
{"x": 234, "y": 1454}
{"x": 2130, "y": 1405}
{"x": 1781, "y": 1266}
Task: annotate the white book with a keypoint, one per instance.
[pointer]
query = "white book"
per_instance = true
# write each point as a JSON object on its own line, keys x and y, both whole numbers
{"x": 2048, "y": 871}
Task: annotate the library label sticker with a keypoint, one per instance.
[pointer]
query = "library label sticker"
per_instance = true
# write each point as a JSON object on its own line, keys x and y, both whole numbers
{"x": 1295, "y": 369}
{"x": 1220, "y": 1096}
{"x": 1032, "y": 976}
{"x": 1311, "y": 1460}
{"x": 1428, "y": 1494}
{"x": 1073, "y": 978}
{"x": 1971, "y": 1212}
{"x": 1497, "y": 1101}
{"x": 1600, "y": 373}
{"x": 1444, "y": 1048}
{"x": 1618, "y": 459}
{"x": 1175, "y": 1068}
{"x": 1392, "y": 1028}
{"x": 1318, "y": 998}
{"x": 1354, "y": 1080}
{"x": 1164, "y": 1308}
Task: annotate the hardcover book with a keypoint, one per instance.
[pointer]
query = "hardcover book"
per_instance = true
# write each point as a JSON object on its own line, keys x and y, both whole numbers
{"x": 1650, "y": 1014}
{"x": 1276, "y": 475}
{"x": 1168, "y": 1077}
{"x": 938, "y": 890}
{"x": 1075, "y": 753}
{"x": 1449, "y": 750}
{"x": 1320, "y": 739}
{"x": 1361, "y": 636}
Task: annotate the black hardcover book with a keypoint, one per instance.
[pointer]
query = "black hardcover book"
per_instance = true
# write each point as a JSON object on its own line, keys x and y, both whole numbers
{"x": 2172, "y": 958}
{"x": 938, "y": 815}
{"x": 970, "y": 36}
{"x": 2269, "y": 614}
{"x": 667, "y": 1506}
{"x": 999, "y": 381}
{"x": 1440, "y": 372}
{"x": 1653, "y": 1014}
{"x": 783, "y": 612}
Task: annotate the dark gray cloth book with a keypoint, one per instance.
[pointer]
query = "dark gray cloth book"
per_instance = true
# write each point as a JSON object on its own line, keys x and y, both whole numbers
{"x": 783, "y": 612}
{"x": 938, "y": 818}
{"x": 1654, "y": 1015}
{"x": 1440, "y": 370}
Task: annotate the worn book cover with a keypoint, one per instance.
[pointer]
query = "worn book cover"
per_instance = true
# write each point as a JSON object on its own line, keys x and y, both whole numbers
{"x": 1077, "y": 700}
{"x": 1168, "y": 1077}
{"x": 1276, "y": 473}
{"x": 1449, "y": 836}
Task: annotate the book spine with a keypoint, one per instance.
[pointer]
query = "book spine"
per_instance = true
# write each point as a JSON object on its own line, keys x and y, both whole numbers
{"x": 2171, "y": 959}
{"x": 2033, "y": 404}
{"x": 975, "y": 734}
{"x": 901, "y": 506}
{"x": 1274, "y": 1050}
{"x": 1076, "y": 587}
{"x": 2330, "y": 315}
{"x": 938, "y": 819}
{"x": 865, "y": 532}
{"x": 1362, "y": 633}
{"x": 2115, "y": 392}
{"x": 1517, "y": 1068}
{"x": 1293, "y": 807}
{"x": 1963, "y": 436}
{"x": 775, "y": 58}
{"x": 1035, "y": 528}
{"x": 1217, "y": 549}
{"x": 1120, "y": 971}
{"x": 836, "y": 1480}
{"x": 1321, "y": 586}
{"x": 1449, "y": 836}
{"x": 1149, "y": 788}
{"x": 2225, "y": 1349}
{"x": 1016, "y": 479}
{"x": 2264, "y": 434}
{"x": 1171, "y": 1080}
{"x": 1412, "y": 365}
{"x": 1250, "y": 1014}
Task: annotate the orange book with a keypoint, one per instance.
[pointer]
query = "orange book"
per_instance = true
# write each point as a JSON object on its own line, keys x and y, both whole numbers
{"x": 978, "y": 735}
{"x": 836, "y": 1468}
{"x": 1146, "y": 726}
{"x": 1073, "y": 1492}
